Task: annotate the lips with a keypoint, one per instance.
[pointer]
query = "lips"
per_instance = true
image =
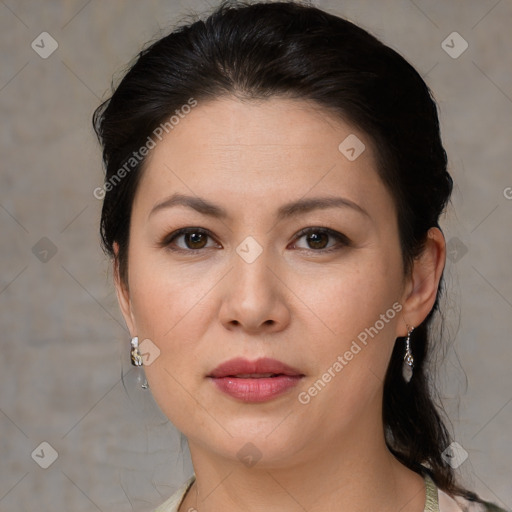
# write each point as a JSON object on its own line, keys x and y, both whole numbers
{"x": 255, "y": 381}
{"x": 261, "y": 368}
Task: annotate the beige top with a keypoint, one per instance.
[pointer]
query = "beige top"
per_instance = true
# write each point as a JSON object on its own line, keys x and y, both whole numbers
{"x": 435, "y": 500}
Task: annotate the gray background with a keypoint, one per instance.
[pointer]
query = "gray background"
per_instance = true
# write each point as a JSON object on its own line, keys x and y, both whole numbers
{"x": 63, "y": 339}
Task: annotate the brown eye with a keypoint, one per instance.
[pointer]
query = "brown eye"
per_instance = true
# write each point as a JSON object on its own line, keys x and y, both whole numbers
{"x": 187, "y": 240}
{"x": 319, "y": 240}
{"x": 195, "y": 240}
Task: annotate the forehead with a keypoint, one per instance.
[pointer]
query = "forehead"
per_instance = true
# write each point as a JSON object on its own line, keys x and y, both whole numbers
{"x": 242, "y": 150}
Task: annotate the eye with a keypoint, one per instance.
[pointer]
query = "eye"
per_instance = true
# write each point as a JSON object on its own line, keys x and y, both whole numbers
{"x": 192, "y": 239}
{"x": 317, "y": 239}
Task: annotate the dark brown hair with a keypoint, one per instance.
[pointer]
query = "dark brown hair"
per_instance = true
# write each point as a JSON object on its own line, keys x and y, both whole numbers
{"x": 262, "y": 50}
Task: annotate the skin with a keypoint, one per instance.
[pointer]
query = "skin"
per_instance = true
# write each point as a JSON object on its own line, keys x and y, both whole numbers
{"x": 293, "y": 304}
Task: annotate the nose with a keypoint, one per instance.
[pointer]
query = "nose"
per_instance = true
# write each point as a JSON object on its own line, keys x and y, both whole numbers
{"x": 254, "y": 297}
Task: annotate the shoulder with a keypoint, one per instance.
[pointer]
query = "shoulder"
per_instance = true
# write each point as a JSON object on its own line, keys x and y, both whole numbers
{"x": 173, "y": 503}
{"x": 449, "y": 503}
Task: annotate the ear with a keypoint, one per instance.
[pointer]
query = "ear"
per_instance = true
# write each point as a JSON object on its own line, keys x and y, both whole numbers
{"x": 423, "y": 282}
{"x": 123, "y": 294}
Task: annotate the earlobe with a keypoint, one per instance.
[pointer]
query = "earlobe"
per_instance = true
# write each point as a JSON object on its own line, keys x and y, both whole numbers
{"x": 423, "y": 283}
{"x": 123, "y": 294}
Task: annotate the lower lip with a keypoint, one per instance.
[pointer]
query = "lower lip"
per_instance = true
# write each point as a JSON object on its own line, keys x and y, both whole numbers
{"x": 256, "y": 390}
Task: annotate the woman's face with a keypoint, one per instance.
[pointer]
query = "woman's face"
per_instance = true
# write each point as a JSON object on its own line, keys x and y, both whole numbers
{"x": 247, "y": 282}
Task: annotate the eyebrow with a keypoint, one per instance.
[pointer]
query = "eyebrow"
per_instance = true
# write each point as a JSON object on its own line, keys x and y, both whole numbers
{"x": 288, "y": 210}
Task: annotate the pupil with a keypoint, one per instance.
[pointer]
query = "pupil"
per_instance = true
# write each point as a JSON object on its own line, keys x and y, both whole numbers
{"x": 193, "y": 239}
{"x": 315, "y": 240}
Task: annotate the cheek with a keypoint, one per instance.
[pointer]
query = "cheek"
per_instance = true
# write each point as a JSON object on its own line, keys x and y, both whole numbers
{"x": 172, "y": 308}
{"x": 165, "y": 294}
{"x": 357, "y": 309}
{"x": 351, "y": 298}
{"x": 352, "y": 355}
{"x": 174, "y": 374}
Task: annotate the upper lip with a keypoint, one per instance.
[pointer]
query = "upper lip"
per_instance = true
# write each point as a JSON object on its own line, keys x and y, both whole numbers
{"x": 240, "y": 366}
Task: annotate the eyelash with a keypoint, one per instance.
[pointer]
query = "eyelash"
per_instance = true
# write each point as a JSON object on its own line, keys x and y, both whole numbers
{"x": 342, "y": 240}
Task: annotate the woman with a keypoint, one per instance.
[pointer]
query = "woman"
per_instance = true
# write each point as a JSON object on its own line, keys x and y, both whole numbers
{"x": 274, "y": 181}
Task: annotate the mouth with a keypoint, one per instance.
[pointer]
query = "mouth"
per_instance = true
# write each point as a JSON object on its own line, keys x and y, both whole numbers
{"x": 260, "y": 368}
{"x": 256, "y": 375}
{"x": 255, "y": 381}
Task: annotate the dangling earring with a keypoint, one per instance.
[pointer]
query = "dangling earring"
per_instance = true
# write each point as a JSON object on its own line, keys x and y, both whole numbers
{"x": 137, "y": 361}
{"x": 408, "y": 364}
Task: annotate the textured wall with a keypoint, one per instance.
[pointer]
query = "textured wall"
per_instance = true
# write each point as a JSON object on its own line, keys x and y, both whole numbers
{"x": 63, "y": 338}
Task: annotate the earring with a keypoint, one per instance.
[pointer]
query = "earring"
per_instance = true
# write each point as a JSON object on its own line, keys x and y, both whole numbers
{"x": 408, "y": 364}
{"x": 136, "y": 358}
{"x": 135, "y": 353}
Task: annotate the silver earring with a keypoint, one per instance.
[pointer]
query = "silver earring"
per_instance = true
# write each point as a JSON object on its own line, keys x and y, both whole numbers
{"x": 136, "y": 358}
{"x": 408, "y": 364}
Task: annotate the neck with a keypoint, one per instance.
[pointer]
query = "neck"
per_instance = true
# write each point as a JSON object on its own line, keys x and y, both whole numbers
{"x": 356, "y": 472}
